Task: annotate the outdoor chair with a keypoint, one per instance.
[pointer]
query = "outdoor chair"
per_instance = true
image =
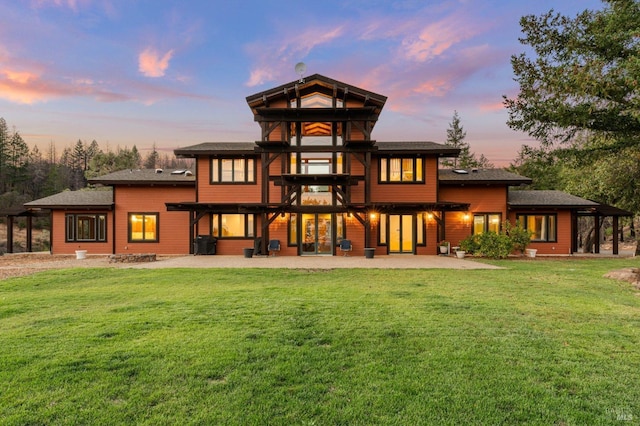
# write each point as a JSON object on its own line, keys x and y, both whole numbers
{"x": 345, "y": 247}
{"x": 274, "y": 246}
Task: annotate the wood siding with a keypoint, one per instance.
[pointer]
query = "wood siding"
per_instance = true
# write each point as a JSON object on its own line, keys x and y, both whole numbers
{"x": 59, "y": 245}
{"x": 173, "y": 227}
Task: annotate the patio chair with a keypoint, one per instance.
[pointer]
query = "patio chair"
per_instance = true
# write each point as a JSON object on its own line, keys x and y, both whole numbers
{"x": 345, "y": 247}
{"x": 274, "y": 246}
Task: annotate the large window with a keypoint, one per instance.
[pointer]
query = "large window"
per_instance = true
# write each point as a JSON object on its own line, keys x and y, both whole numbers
{"x": 232, "y": 225}
{"x": 86, "y": 227}
{"x": 233, "y": 170}
{"x": 543, "y": 226}
{"x": 401, "y": 170}
{"x": 143, "y": 227}
{"x": 488, "y": 222}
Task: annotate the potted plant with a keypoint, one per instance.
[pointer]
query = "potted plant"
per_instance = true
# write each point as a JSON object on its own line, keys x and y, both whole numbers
{"x": 444, "y": 247}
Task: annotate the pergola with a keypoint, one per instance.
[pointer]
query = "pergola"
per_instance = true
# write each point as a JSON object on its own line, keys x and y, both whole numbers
{"x": 11, "y": 215}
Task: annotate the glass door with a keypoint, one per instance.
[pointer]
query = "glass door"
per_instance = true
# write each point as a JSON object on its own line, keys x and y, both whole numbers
{"x": 317, "y": 234}
{"x": 400, "y": 233}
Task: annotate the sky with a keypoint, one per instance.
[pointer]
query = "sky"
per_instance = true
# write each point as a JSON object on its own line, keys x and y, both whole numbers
{"x": 176, "y": 73}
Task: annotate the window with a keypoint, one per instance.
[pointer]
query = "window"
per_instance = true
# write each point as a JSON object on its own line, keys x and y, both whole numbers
{"x": 143, "y": 227}
{"x": 86, "y": 227}
{"x": 232, "y": 225}
{"x": 293, "y": 229}
{"x": 543, "y": 226}
{"x": 401, "y": 170}
{"x": 233, "y": 170}
{"x": 488, "y": 222}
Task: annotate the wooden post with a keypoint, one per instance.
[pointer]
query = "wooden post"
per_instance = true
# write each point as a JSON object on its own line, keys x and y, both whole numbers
{"x": 29, "y": 233}
{"x": 615, "y": 235}
{"x": 9, "y": 234}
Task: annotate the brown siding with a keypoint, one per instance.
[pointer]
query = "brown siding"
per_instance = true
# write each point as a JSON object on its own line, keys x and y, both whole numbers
{"x": 58, "y": 236}
{"x": 226, "y": 193}
{"x": 174, "y": 228}
{"x": 560, "y": 247}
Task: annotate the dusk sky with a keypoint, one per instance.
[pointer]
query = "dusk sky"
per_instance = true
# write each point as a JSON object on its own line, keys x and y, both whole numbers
{"x": 176, "y": 73}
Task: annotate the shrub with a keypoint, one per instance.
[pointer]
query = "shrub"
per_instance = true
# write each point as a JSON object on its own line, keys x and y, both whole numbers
{"x": 520, "y": 237}
{"x": 471, "y": 244}
{"x": 495, "y": 246}
{"x": 498, "y": 245}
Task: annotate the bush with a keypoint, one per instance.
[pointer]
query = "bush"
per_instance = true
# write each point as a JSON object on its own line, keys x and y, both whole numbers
{"x": 520, "y": 237}
{"x": 495, "y": 246}
{"x": 471, "y": 244}
{"x": 498, "y": 246}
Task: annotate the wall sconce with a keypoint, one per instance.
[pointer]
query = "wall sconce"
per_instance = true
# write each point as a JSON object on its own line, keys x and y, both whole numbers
{"x": 429, "y": 215}
{"x": 373, "y": 218}
{"x": 466, "y": 217}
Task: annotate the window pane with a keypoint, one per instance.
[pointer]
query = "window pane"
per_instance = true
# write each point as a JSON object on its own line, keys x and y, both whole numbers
{"x": 383, "y": 170}
{"x": 85, "y": 228}
{"x": 249, "y": 225}
{"x": 215, "y": 171}
{"x": 250, "y": 170}
{"x": 293, "y": 229}
{"x": 534, "y": 224}
{"x": 494, "y": 223}
{"x": 420, "y": 229}
{"x": 233, "y": 225}
{"x": 395, "y": 169}
{"x": 419, "y": 173}
{"x": 136, "y": 222}
{"x": 478, "y": 224}
{"x": 215, "y": 225}
{"x": 227, "y": 170}
{"x": 70, "y": 227}
{"x": 238, "y": 170}
{"x": 552, "y": 228}
{"x": 102, "y": 228}
{"x": 382, "y": 229}
{"x": 407, "y": 169}
{"x": 150, "y": 227}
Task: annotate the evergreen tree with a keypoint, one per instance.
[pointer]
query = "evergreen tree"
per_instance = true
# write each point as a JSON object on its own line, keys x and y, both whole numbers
{"x": 466, "y": 159}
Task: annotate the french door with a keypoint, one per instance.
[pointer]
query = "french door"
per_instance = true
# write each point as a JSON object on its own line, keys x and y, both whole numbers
{"x": 401, "y": 233}
{"x": 317, "y": 234}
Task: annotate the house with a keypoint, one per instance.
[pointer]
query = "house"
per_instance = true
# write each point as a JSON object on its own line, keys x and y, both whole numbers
{"x": 313, "y": 178}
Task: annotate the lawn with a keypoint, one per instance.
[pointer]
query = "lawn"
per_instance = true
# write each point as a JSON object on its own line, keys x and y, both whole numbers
{"x": 539, "y": 342}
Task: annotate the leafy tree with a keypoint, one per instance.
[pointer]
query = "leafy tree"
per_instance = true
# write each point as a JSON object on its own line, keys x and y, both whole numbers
{"x": 466, "y": 159}
{"x": 583, "y": 75}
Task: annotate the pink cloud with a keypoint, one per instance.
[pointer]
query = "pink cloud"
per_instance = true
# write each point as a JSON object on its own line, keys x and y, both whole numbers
{"x": 437, "y": 37}
{"x": 151, "y": 64}
{"x": 270, "y": 57}
{"x": 71, "y": 4}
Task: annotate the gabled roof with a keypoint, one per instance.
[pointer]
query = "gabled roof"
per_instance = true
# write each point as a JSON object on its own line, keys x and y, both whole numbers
{"x": 547, "y": 198}
{"x": 148, "y": 177}
{"x": 101, "y": 199}
{"x": 480, "y": 177}
{"x": 316, "y": 82}
{"x": 417, "y": 147}
{"x": 210, "y": 148}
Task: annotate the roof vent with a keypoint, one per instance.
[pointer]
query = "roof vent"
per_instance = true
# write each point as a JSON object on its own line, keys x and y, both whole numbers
{"x": 178, "y": 172}
{"x": 188, "y": 173}
{"x": 158, "y": 170}
{"x": 474, "y": 170}
{"x": 460, "y": 171}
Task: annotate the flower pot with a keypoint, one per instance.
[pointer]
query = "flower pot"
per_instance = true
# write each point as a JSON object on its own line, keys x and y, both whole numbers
{"x": 81, "y": 254}
{"x": 369, "y": 253}
{"x": 443, "y": 249}
{"x": 531, "y": 252}
{"x": 248, "y": 252}
{"x": 460, "y": 254}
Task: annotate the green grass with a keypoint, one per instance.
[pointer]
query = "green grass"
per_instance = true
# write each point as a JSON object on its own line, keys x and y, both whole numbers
{"x": 540, "y": 342}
